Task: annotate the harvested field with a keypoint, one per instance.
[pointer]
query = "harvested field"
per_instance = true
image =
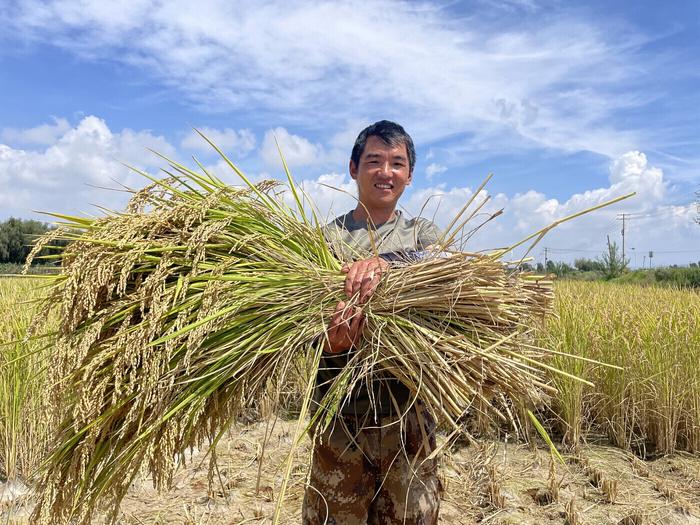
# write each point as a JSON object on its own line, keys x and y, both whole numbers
{"x": 490, "y": 482}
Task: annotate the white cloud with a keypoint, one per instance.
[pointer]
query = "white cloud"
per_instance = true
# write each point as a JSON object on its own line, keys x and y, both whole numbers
{"x": 527, "y": 212}
{"x": 63, "y": 176}
{"x": 332, "y": 194}
{"x": 297, "y": 150}
{"x": 43, "y": 134}
{"x": 541, "y": 82}
{"x": 238, "y": 143}
{"x": 653, "y": 224}
{"x": 434, "y": 169}
{"x": 632, "y": 170}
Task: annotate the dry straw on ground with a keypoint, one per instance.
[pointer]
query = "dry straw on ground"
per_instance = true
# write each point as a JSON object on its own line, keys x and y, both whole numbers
{"x": 200, "y": 299}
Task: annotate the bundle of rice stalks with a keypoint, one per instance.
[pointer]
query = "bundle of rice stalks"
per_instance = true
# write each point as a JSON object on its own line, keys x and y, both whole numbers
{"x": 180, "y": 312}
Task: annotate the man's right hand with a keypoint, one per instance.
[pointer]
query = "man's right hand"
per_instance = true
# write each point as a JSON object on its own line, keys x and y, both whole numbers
{"x": 362, "y": 277}
{"x": 345, "y": 329}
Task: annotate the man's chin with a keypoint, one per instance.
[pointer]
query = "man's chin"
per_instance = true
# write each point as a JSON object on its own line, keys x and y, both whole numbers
{"x": 384, "y": 203}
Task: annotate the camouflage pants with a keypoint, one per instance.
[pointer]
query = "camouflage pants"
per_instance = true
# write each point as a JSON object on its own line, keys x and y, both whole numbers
{"x": 376, "y": 475}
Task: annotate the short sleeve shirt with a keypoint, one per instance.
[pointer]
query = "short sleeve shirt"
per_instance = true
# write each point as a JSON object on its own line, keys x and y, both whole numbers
{"x": 352, "y": 240}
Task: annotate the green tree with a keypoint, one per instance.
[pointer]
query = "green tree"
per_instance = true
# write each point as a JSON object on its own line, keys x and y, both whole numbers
{"x": 584, "y": 264}
{"x": 17, "y": 237}
{"x": 559, "y": 268}
{"x": 613, "y": 264}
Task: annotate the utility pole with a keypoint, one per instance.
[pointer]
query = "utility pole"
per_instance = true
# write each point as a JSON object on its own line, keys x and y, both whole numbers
{"x": 623, "y": 216}
{"x": 545, "y": 259}
{"x": 651, "y": 254}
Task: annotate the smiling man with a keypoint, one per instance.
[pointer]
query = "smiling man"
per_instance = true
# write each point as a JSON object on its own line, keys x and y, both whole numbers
{"x": 371, "y": 466}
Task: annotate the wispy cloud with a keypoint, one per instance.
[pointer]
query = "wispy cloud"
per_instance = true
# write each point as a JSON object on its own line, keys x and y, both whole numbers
{"x": 297, "y": 150}
{"x": 434, "y": 169}
{"x": 301, "y": 61}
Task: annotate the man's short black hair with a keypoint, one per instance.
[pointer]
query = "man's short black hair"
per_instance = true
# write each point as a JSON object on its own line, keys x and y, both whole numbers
{"x": 391, "y": 133}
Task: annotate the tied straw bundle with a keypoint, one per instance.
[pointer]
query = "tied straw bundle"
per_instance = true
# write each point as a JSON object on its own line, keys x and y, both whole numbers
{"x": 180, "y": 312}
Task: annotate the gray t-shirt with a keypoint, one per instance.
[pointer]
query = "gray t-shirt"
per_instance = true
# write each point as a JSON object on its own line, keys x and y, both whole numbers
{"x": 352, "y": 240}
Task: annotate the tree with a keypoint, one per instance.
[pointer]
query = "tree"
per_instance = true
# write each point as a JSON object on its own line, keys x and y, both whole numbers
{"x": 587, "y": 265}
{"x": 613, "y": 264}
{"x": 17, "y": 237}
{"x": 559, "y": 269}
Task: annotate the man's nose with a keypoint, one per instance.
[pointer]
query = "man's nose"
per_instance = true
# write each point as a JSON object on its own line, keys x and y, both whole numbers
{"x": 384, "y": 168}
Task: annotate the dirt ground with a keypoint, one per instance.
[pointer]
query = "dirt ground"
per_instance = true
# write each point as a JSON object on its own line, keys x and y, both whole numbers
{"x": 485, "y": 483}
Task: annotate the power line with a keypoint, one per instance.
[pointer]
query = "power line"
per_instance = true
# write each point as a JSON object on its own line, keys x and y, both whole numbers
{"x": 576, "y": 250}
{"x": 676, "y": 251}
{"x": 567, "y": 250}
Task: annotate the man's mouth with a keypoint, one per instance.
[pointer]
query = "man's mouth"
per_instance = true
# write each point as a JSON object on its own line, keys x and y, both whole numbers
{"x": 383, "y": 186}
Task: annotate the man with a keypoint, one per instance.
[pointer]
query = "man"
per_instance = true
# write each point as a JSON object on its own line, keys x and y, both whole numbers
{"x": 370, "y": 466}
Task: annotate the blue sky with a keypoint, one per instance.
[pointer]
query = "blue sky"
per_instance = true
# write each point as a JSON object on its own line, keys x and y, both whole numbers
{"x": 568, "y": 104}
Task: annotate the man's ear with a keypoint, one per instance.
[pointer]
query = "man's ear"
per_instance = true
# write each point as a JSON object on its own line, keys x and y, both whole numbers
{"x": 353, "y": 169}
{"x": 410, "y": 178}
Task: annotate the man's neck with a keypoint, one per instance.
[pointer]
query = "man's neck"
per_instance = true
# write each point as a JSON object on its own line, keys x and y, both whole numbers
{"x": 376, "y": 217}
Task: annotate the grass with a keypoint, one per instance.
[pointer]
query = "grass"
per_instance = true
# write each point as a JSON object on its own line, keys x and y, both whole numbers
{"x": 674, "y": 277}
{"x": 650, "y": 404}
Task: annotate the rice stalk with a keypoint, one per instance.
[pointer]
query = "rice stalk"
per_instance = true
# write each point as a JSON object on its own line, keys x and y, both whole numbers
{"x": 22, "y": 377}
{"x": 177, "y": 314}
{"x": 649, "y": 401}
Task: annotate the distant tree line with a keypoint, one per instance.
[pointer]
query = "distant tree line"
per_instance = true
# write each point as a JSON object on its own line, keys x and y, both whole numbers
{"x": 611, "y": 266}
{"x": 679, "y": 276}
{"x": 17, "y": 236}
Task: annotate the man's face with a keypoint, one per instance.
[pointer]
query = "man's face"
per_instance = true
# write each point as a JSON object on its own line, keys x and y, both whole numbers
{"x": 382, "y": 174}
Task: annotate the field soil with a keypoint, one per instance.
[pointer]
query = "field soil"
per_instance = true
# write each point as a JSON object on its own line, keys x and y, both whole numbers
{"x": 485, "y": 482}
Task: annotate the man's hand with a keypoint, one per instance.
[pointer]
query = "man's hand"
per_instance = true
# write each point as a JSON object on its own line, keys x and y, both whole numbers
{"x": 345, "y": 329}
{"x": 363, "y": 277}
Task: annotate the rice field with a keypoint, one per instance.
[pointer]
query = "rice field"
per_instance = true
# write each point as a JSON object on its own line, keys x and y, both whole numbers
{"x": 22, "y": 382}
{"x": 649, "y": 403}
